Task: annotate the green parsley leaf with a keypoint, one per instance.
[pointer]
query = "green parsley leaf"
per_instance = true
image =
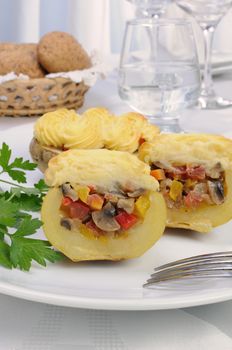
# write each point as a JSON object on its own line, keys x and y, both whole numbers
{"x": 21, "y": 216}
{"x": 28, "y": 227}
{"x": 8, "y": 211}
{"x": 15, "y": 207}
{"x": 28, "y": 202}
{"x": 19, "y": 163}
{"x": 14, "y": 169}
{"x": 27, "y": 190}
{"x": 24, "y": 250}
{"x": 17, "y": 175}
{"x": 5, "y": 154}
{"x": 3, "y": 231}
{"x": 41, "y": 186}
{"x": 5, "y": 255}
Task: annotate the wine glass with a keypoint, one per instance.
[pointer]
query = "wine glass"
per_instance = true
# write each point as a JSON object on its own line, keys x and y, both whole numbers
{"x": 159, "y": 73}
{"x": 208, "y": 14}
{"x": 151, "y": 8}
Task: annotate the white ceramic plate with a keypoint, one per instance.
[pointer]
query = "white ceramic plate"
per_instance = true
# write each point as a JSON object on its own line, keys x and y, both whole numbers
{"x": 111, "y": 285}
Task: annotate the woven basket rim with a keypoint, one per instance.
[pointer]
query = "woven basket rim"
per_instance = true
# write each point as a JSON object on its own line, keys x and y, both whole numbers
{"x": 40, "y": 95}
{"x": 38, "y": 80}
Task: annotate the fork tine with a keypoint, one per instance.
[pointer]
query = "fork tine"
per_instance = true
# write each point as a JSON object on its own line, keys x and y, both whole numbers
{"x": 203, "y": 257}
{"x": 215, "y": 265}
{"x": 208, "y": 264}
{"x": 219, "y": 273}
{"x": 207, "y": 267}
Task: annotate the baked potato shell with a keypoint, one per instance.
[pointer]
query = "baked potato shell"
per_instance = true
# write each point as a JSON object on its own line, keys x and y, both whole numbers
{"x": 42, "y": 154}
{"x": 206, "y": 217}
{"x": 79, "y": 247}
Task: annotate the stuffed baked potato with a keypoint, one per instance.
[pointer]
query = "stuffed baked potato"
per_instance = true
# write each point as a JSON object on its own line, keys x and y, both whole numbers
{"x": 97, "y": 128}
{"x": 195, "y": 176}
{"x": 104, "y": 205}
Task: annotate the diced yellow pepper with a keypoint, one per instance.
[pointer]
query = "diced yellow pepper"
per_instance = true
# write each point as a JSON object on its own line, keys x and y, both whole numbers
{"x": 190, "y": 183}
{"x": 88, "y": 233}
{"x": 85, "y": 231}
{"x": 83, "y": 193}
{"x": 95, "y": 201}
{"x": 142, "y": 205}
{"x": 175, "y": 190}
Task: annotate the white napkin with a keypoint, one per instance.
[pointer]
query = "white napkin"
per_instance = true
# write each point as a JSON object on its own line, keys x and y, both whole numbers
{"x": 25, "y": 325}
{"x": 12, "y": 76}
{"x": 101, "y": 67}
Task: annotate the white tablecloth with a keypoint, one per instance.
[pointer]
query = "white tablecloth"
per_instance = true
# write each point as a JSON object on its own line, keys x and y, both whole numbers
{"x": 26, "y": 325}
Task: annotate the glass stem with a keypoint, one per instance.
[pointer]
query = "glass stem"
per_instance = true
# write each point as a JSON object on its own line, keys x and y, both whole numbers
{"x": 207, "y": 85}
{"x": 155, "y": 16}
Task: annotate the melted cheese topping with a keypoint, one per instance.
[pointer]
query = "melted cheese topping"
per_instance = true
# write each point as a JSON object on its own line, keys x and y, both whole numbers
{"x": 96, "y": 128}
{"x": 106, "y": 169}
{"x": 191, "y": 149}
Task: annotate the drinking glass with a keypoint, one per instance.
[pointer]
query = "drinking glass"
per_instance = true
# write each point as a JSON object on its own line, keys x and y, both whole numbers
{"x": 208, "y": 14}
{"x": 159, "y": 72}
{"x": 151, "y": 8}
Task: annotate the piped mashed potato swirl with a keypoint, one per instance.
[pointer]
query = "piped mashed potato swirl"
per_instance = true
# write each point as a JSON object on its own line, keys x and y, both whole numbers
{"x": 96, "y": 128}
{"x": 55, "y": 129}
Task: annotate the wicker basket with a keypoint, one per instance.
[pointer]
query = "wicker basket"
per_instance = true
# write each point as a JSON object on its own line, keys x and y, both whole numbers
{"x": 35, "y": 97}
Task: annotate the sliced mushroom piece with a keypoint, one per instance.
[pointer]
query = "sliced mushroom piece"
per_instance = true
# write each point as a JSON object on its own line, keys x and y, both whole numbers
{"x": 216, "y": 191}
{"x": 215, "y": 172}
{"x": 104, "y": 220}
{"x": 207, "y": 199}
{"x": 119, "y": 194}
{"x": 201, "y": 188}
{"x": 165, "y": 185}
{"x": 86, "y": 219}
{"x": 111, "y": 197}
{"x": 67, "y": 223}
{"x": 136, "y": 193}
{"x": 169, "y": 202}
{"x": 109, "y": 209}
{"x": 128, "y": 204}
{"x": 68, "y": 191}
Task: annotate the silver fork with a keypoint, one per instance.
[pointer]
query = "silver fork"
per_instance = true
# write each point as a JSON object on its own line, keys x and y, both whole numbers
{"x": 214, "y": 265}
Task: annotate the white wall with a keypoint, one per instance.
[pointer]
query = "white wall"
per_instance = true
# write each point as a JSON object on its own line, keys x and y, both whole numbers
{"x": 96, "y": 23}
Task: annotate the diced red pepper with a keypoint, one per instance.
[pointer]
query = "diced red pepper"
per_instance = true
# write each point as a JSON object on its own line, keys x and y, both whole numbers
{"x": 177, "y": 173}
{"x": 66, "y": 201}
{"x": 193, "y": 199}
{"x": 141, "y": 141}
{"x": 92, "y": 188}
{"x": 196, "y": 173}
{"x": 78, "y": 210}
{"x": 91, "y": 225}
{"x": 180, "y": 170}
{"x": 126, "y": 220}
{"x": 65, "y": 204}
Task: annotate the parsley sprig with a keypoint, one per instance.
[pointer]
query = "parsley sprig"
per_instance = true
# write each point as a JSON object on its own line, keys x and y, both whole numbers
{"x": 16, "y": 221}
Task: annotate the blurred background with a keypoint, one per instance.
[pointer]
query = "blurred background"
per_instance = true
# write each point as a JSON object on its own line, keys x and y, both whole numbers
{"x": 97, "y": 24}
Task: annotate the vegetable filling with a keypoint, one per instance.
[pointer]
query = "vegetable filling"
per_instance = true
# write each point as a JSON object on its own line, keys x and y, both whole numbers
{"x": 190, "y": 186}
{"x": 102, "y": 212}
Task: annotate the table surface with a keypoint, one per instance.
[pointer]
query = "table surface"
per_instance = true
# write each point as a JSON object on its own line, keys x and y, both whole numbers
{"x": 26, "y": 325}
